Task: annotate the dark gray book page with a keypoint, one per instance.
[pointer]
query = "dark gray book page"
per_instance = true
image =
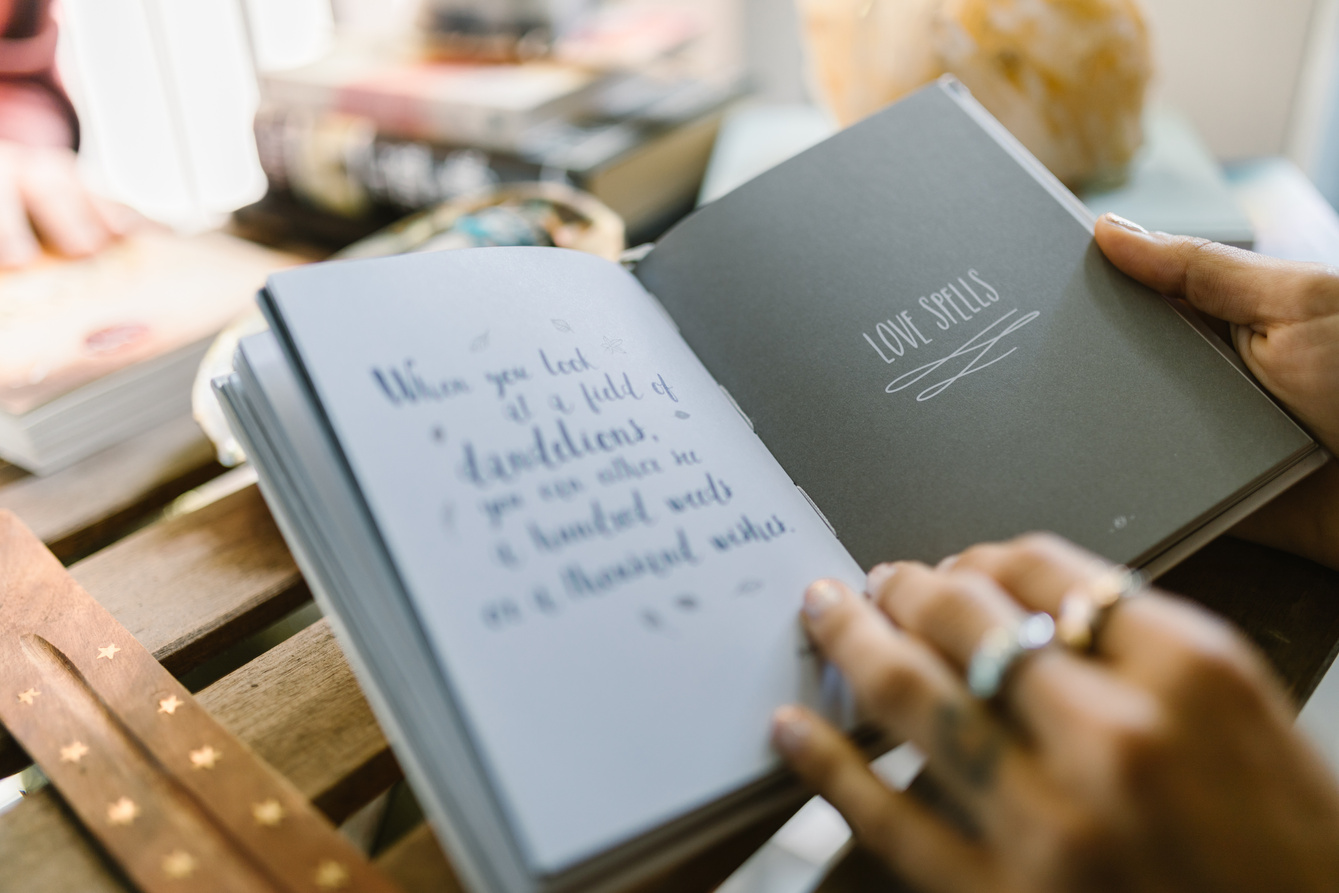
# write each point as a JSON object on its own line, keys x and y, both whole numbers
{"x": 606, "y": 560}
{"x": 932, "y": 346}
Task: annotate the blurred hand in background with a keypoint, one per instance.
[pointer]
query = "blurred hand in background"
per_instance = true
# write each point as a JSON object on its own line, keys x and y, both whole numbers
{"x": 43, "y": 198}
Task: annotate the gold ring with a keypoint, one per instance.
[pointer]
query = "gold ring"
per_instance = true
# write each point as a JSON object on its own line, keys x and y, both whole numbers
{"x": 1085, "y": 608}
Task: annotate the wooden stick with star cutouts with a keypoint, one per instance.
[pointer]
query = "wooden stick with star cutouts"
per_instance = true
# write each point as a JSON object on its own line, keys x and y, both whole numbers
{"x": 174, "y": 798}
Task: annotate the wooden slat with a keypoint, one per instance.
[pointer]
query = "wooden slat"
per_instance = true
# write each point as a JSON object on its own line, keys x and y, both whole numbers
{"x": 92, "y": 503}
{"x": 191, "y": 586}
{"x": 418, "y": 864}
{"x": 10, "y": 473}
{"x": 301, "y": 709}
{"x": 297, "y": 705}
{"x": 1288, "y": 605}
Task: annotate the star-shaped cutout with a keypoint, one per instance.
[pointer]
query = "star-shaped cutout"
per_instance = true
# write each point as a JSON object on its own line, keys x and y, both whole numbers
{"x": 27, "y": 697}
{"x": 122, "y": 812}
{"x": 268, "y": 813}
{"x": 108, "y": 651}
{"x": 170, "y": 704}
{"x": 205, "y": 757}
{"x": 73, "y": 752}
{"x": 330, "y": 875}
{"x": 179, "y": 865}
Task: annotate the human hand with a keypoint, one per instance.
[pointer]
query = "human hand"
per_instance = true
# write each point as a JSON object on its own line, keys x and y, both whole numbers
{"x": 1164, "y": 761}
{"x": 42, "y": 194}
{"x": 1284, "y": 322}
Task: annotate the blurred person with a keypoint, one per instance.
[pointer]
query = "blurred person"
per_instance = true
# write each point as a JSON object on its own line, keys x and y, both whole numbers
{"x": 41, "y": 192}
{"x": 1155, "y": 750}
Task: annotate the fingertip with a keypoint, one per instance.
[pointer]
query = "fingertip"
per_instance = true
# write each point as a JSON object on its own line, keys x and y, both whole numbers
{"x": 879, "y": 577}
{"x": 822, "y": 596}
{"x": 792, "y": 730}
{"x": 1108, "y": 220}
{"x": 1124, "y": 242}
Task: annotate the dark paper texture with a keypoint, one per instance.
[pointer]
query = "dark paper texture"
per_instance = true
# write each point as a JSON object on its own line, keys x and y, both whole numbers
{"x": 1034, "y": 386}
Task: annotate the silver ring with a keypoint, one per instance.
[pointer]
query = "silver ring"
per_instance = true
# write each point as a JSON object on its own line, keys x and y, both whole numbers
{"x": 1000, "y": 650}
{"x": 1085, "y": 608}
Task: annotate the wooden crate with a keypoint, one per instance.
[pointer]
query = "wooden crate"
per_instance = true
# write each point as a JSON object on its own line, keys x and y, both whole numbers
{"x": 191, "y": 583}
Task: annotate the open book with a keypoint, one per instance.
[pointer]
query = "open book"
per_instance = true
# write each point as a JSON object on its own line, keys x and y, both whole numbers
{"x": 562, "y": 515}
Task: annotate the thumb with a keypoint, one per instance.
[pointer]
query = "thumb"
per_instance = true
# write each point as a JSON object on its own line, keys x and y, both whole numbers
{"x": 1238, "y": 286}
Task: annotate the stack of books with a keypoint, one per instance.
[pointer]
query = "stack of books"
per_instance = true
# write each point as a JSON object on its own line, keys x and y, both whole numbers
{"x": 366, "y": 135}
{"x": 1176, "y": 185}
{"x": 95, "y": 351}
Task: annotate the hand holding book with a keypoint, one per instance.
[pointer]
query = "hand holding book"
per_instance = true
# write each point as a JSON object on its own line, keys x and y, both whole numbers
{"x": 561, "y": 560}
{"x": 1284, "y": 320}
{"x": 1171, "y": 733}
{"x": 1165, "y": 758}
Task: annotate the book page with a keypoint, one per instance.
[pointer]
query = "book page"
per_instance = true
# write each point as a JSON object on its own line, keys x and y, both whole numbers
{"x": 607, "y": 560}
{"x": 938, "y": 353}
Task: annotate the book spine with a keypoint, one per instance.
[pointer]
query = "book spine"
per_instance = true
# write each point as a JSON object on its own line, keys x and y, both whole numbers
{"x": 339, "y": 163}
{"x": 412, "y": 105}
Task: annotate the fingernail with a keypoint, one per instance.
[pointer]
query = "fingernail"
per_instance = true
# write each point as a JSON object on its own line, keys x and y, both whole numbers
{"x": 1117, "y": 220}
{"x": 947, "y": 563}
{"x": 791, "y": 730}
{"x": 878, "y": 578}
{"x": 821, "y": 596}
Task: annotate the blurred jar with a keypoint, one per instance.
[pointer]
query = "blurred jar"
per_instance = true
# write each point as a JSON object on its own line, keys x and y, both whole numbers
{"x": 1067, "y": 77}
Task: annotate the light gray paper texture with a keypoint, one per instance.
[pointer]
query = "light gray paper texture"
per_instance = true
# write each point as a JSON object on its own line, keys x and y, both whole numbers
{"x": 608, "y": 707}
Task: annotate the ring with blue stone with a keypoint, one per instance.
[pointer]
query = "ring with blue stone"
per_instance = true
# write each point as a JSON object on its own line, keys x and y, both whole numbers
{"x": 1001, "y": 649}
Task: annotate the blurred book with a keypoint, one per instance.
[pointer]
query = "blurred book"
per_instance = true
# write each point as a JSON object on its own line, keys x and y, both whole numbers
{"x": 642, "y": 151}
{"x": 1292, "y": 218}
{"x": 1175, "y": 185}
{"x": 513, "y": 19}
{"x": 98, "y": 350}
{"x": 756, "y": 138}
{"x": 629, "y": 36}
{"x": 487, "y": 106}
{"x": 586, "y": 33}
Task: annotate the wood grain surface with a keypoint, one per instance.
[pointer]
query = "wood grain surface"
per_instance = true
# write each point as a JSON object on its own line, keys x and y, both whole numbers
{"x": 93, "y": 503}
{"x": 10, "y": 473}
{"x": 191, "y": 586}
{"x": 1287, "y": 605}
{"x": 321, "y": 736}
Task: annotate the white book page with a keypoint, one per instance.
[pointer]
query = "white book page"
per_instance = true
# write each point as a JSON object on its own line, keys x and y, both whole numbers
{"x": 608, "y": 561}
